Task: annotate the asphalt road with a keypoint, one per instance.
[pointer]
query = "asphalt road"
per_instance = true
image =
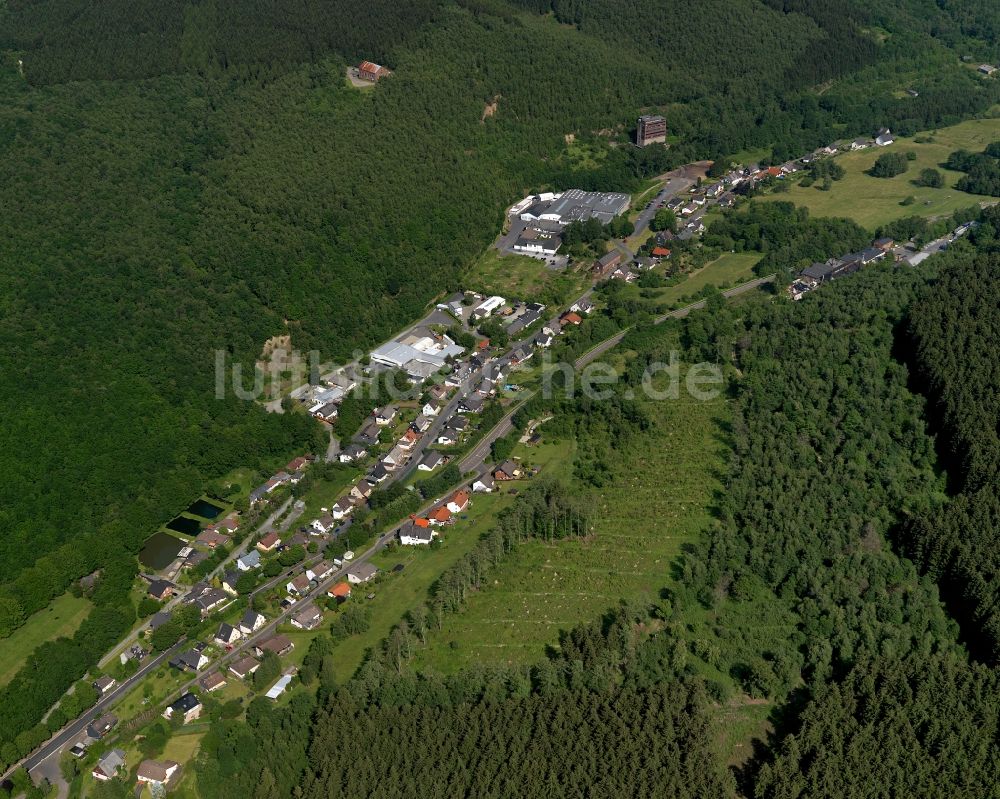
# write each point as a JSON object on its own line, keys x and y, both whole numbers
{"x": 75, "y": 730}
{"x": 672, "y": 186}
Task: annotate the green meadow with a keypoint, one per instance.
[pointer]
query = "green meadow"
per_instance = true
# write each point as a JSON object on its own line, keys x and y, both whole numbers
{"x": 872, "y": 202}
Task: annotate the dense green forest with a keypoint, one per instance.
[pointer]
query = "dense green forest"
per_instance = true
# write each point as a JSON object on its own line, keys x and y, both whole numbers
{"x": 954, "y": 328}
{"x": 180, "y": 179}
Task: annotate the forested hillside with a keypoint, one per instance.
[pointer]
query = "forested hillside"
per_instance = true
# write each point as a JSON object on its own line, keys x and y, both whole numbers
{"x": 244, "y": 190}
{"x": 184, "y": 178}
{"x": 955, "y": 333}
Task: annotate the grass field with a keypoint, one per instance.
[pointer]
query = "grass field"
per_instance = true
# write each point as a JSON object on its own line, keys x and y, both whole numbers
{"x": 872, "y": 202}
{"x": 61, "y": 618}
{"x": 400, "y": 592}
{"x": 521, "y": 277}
{"x": 729, "y": 269}
{"x": 659, "y": 500}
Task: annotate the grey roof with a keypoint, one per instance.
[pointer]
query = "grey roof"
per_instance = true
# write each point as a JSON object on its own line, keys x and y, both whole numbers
{"x": 187, "y": 702}
{"x": 251, "y": 559}
{"x": 576, "y": 205}
{"x": 211, "y": 598}
{"x": 112, "y": 761}
{"x": 250, "y": 618}
{"x": 363, "y": 571}
{"x": 432, "y": 458}
{"x": 225, "y": 632}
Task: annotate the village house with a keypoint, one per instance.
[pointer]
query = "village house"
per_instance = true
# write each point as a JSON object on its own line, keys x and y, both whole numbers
{"x": 430, "y": 409}
{"x": 244, "y": 667}
{"x": 458, "y": 501}
{"x": 109, "y": 764}
{"x": 212, "y": 682}
{"x": 396, "y": 457}
{"x": 104, "y": 684}
{"x": 361, "y": 573}
{"x": 307, "y": 618}
{"x": 372, "y": 72}
{"x": 210, "y": 600}
{"x": 570, "y": 318}
{"x": 384, "y": 416}
{"x": 411, "y": 534}
{"x": 298, "y": 464}
{"x": 229, "y": 581}
{"x": 323, "y": 524}
{"x": 279, "y": 644}
{"x": 269, "y": 542}
{"x": 340, "y": 509}
{"x": 161, "y": 589}
{"x": 101, "y": 726}
{"x": 298, "y": 586}
{"x": 227, "y": 635}
{"x": 352, "y": 453}
{"x": 156, "y": 772}
{"x": 378, "y": 474}
{"x": 187, "y": 707}
{"x": 884, "y": 137}
{"x": 341, "y": 591}
{"x": 251, "y": 622}
{"x": 483, "y": 484}
{"x": 521, "y": 354}
{"x": 508, "y": 470}
{"x": 471, "y": 404}
{"x": 320, "y": 570}
{"x": 249, "y": 561}
{"x": 369, "y": 434}
{"x": 439, "y": 516}
{"x": 607, "y": 263}
{"x": 421, "y": 423}
{"x": 362, "y": 489}
{"x": 212, "y": 539}
{"x": 437, "y": 393}
{"x": 582, "y": 306}
{"x": 431, "y": 461}
{"x": 190, "y": 660}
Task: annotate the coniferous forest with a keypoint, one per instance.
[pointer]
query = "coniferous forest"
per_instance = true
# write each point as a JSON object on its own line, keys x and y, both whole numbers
{"x": 180, "y": 179}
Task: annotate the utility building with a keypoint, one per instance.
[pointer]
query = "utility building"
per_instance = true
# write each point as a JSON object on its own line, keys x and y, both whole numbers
{"x": 651, "y": 130}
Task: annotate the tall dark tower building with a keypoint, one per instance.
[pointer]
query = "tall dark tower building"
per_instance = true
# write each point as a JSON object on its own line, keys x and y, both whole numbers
{"x": 651, "y": 129}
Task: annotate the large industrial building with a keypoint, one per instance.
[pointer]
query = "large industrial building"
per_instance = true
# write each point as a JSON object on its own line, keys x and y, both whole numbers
{"x": 651, "y": 129}
{"x": 572, "y": 205}
{"x": 420, "y": 353}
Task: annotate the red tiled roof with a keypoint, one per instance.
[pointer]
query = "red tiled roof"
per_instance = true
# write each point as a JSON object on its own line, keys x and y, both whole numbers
{"x": 340, "y": 590}
{"x": 572, "y": 318}
{"x": 441, "y": 514}
{"x": 421, "y": 523}
{"x": 660, "y": 251}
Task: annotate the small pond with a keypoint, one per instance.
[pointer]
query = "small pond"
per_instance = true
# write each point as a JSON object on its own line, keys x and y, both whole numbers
{"x": 160, "y": 550}
{"x": 185, "y": 526}
{"x": 205, "y": 509}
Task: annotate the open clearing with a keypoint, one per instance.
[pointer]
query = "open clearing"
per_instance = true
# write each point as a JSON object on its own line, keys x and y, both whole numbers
{"x": 729, "y": 269}
{"x": 521, "y": 277}
{"x": 872, "y": 202}
{"x": 658, "y": 500}
{"x": 61, "y": 618}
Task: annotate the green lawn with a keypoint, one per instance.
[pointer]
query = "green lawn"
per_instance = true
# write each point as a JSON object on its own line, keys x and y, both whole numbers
{"x": 61, "y": 618}
{"x": 659, "y": 500}
{"x": 521, "y": 277}
{"x": 729, "y": 269}
{"x": 872, "y": 202}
